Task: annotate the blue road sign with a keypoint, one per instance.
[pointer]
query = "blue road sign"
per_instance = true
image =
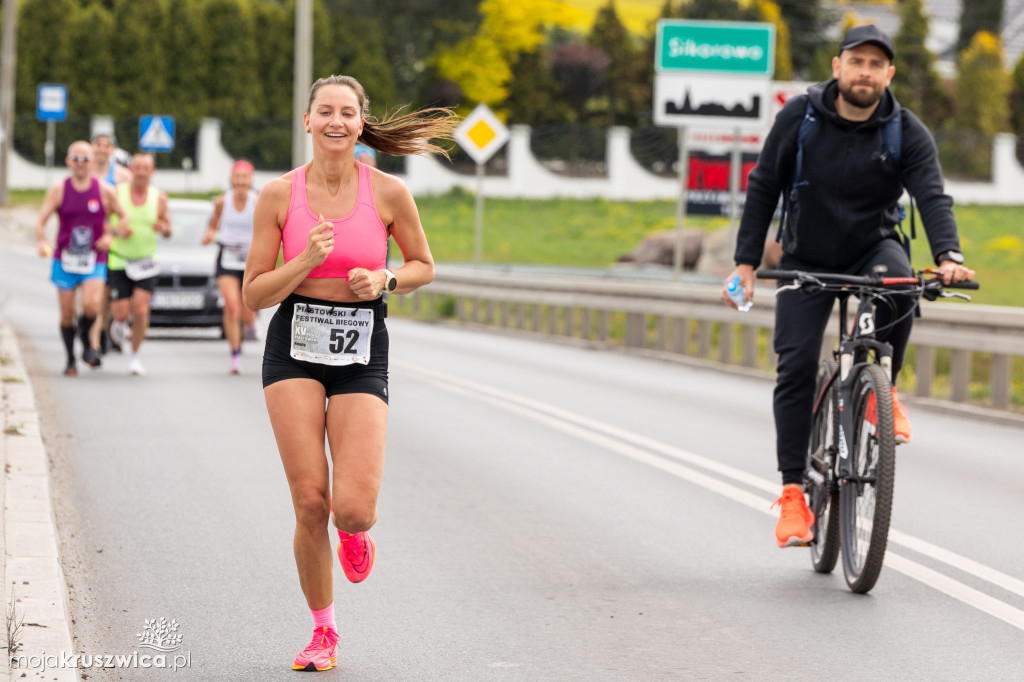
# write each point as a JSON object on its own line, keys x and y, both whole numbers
{"x": 156, "y": 133}
{"x": 51, "y": 102}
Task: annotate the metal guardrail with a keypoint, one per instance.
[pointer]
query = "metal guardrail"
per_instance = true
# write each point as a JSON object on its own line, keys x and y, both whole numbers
{"x": 689, "y": 319}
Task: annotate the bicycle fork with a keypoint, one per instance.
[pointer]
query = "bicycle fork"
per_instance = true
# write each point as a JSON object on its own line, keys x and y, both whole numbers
{"x": 854, "y": 352}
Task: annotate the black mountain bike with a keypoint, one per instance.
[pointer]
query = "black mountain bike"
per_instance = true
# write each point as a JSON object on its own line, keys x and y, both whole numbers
{"x": 851, "y": 463}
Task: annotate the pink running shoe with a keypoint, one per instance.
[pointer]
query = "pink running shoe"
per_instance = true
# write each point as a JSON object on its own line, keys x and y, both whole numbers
{"x": 321, "y": 653}
{"x": 356, "y": 553}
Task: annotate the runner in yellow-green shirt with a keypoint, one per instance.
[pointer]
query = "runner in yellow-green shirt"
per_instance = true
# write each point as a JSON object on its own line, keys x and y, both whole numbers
{"x": 132, "y": 268}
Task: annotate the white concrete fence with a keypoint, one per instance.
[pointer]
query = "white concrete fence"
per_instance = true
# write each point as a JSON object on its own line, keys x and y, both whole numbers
{"x": 526, "y": 176}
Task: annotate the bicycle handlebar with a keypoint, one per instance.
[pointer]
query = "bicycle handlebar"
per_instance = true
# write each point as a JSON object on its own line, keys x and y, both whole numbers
{"x": 866, "y": 280}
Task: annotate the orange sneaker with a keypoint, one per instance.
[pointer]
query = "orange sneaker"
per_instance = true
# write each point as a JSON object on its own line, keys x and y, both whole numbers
{"x": 795, "y": 519}
{"x": 901, "y": 421}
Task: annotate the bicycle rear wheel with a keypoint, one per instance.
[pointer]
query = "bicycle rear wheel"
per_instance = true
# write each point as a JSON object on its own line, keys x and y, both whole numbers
{"x": 819, "y": 482}
{"x": 865, "y": 501}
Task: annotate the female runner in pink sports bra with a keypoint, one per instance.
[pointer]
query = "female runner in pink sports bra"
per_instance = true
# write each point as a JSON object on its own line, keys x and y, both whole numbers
{"x": 333, "y": 217}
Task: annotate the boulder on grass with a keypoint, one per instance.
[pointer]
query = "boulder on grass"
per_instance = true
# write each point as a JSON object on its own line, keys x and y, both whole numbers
{"x": 659, "y": 249}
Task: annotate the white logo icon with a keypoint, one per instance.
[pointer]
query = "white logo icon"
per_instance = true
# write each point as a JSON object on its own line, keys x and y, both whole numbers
{"x": 867, "y": 324}
{"x": 160, "y": 635}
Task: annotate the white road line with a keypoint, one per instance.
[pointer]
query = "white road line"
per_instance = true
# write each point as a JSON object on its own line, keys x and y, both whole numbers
{"x": 956, "y": 589}
{"x": 639, "y": 448}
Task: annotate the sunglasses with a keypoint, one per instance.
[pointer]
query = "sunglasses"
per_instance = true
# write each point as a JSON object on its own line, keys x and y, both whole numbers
{"x": 80, "y": 159}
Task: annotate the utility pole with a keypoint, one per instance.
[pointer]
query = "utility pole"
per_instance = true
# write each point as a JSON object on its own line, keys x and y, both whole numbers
{"x": 8, "y": 59}
{"x": 303, "y": 77}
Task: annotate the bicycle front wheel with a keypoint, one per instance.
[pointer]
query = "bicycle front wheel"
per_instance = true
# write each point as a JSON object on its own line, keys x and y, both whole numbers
{"x": 865, "y": 499}
{"x": 819, "y": 482}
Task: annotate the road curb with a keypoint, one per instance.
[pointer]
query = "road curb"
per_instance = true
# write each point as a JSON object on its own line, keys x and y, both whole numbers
{"x": 31, "y": 568}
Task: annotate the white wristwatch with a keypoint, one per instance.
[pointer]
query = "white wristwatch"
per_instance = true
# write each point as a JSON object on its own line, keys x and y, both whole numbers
{"x": 390, "y": 284}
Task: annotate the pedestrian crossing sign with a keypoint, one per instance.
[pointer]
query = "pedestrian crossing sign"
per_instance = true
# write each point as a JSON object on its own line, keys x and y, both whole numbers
{"x": 156, "y": 133}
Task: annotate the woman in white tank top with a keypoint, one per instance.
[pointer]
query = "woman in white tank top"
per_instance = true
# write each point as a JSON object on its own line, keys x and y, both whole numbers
{"x": 232, "y": 218}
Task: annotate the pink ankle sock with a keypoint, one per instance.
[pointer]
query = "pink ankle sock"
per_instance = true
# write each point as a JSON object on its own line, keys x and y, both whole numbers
{"x": 324, "y": 618}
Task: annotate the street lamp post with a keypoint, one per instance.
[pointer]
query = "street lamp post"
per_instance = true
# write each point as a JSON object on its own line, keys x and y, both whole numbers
{"x": 303, "y": 77}
{"x": 8, "y": 59}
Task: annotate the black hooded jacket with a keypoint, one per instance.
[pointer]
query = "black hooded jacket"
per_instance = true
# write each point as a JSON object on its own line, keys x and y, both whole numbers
{"x": 850, "y": 201}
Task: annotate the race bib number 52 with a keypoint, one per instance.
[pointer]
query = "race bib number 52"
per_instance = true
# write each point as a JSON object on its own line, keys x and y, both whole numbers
{"x": 330, "y": 335}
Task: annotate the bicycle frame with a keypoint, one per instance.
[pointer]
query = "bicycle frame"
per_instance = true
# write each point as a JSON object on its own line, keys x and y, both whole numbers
{"x": 855, "y": 347}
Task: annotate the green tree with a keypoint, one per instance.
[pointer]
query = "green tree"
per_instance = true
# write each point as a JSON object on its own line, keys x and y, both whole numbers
{"x": 359, "y": 52}
{"x": 141, "y": 67}
{"x": 187, "y": 39}
{"x": 808, "y": 22}
{"x": 1017, "y": 98}
{"x": 979, "y": 15}
{"x": 622, "y": 92}
{"x": 232, "y": 82}
{"x": 917, "y": 85}
{"x": 580, "y": 68}
{"x": 86, "y": 68}
{"x": 535, "y": 98}
{"x": 325, "y": 34}
{"x": 274, "y": 25}
{"x": 982, "y": 107}
{"x": 39, "y": 21}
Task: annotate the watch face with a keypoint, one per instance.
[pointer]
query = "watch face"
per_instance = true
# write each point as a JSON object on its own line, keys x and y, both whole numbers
{"x": 954, "y": 256}
{"x": 392, "y": 284}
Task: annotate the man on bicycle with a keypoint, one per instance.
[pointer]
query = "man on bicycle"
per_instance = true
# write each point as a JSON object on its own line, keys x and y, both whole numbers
{"x": 842, "y": 215}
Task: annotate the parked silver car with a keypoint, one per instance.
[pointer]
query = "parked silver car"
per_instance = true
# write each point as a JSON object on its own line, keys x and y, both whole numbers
{"x": 186, "y": 291}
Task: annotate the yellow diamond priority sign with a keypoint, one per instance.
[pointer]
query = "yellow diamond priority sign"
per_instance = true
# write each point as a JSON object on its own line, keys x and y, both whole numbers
{"x": 481, "y": 134}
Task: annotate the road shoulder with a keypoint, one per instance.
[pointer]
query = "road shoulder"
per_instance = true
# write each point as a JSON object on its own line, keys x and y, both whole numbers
{"x": 32, "y": 573}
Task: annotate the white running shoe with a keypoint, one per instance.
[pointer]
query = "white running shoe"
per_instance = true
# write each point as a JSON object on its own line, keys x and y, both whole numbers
{"x": 135, "y": 367}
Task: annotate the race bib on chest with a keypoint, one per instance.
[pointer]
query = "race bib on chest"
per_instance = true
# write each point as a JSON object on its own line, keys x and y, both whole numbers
{"x": 233, "y": 257}
{"x": 140, "y": 269}
{"x": 79, "y": 258}
{"x": 330, "y": 335}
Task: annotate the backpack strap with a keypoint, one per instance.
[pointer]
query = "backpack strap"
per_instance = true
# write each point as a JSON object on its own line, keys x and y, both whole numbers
{"x": 892, "y": 141}
{"x": 790, "y": 194}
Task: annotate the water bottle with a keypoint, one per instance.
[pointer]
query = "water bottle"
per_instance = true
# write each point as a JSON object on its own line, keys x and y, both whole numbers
{"x": 738, "y": 294}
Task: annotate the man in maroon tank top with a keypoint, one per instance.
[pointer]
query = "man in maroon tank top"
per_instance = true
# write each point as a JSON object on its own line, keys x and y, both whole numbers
{"x": 82, "y": 205}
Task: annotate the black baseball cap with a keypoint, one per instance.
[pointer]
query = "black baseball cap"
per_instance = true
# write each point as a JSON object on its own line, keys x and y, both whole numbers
{"x": 868, "y": 33}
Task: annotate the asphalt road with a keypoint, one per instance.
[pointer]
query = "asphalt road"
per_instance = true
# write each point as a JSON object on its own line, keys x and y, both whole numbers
{"x": 548, "y": 512}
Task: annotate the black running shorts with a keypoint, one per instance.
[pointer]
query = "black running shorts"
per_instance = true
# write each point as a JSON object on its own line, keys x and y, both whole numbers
{"x": 122, "y": 286}
{"x": 278, "y": 364}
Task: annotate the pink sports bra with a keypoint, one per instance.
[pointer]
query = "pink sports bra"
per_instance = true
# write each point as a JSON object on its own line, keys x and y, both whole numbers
{"x": 360, "y": 238}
